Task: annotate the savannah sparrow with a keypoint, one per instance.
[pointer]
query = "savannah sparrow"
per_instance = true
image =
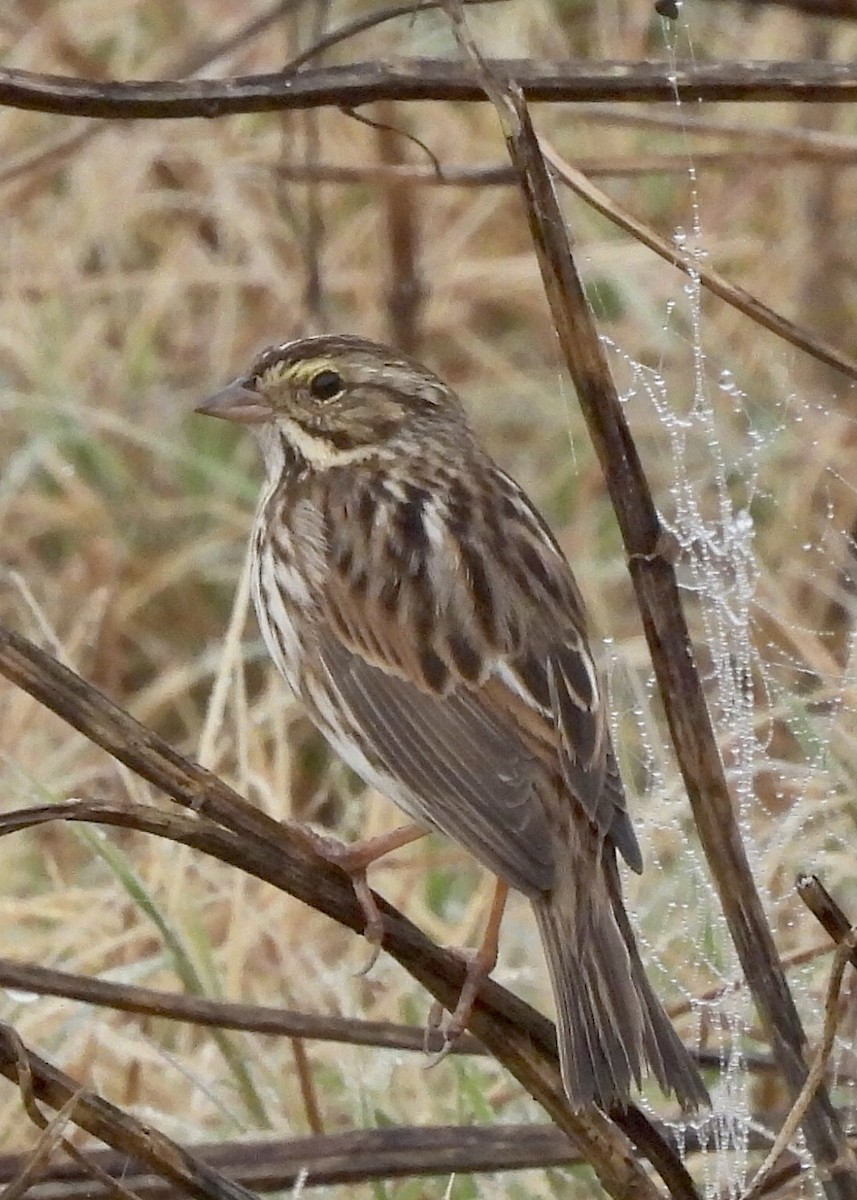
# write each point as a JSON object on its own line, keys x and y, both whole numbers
{"x": 418, "y": 605}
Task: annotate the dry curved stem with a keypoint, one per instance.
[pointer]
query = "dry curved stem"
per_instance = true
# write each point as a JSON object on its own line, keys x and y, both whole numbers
{"x": 361, "y": 24}
{"x": 731, "y": 293}
{"x": 222, "y": 823}
{"x": 845, "y": 951}
{"x": 665, "y": 626}
{"x": 427, "y": 79}
{"x": 38, "y": 1080}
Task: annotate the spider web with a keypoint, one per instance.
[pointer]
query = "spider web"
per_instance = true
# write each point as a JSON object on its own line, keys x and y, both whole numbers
{"x": 780, "y": 692}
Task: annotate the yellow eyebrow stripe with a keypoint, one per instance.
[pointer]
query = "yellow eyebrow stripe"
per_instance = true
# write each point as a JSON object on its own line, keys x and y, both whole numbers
{"x": 300, "y": 372}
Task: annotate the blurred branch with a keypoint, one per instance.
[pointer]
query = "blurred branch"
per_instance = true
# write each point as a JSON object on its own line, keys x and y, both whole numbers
{"x": 428, "y": 79}
{"x": 225, "y": 825}
{"x": 400, "y": 216}
{"x": 53, "y": 150}
{"x": 357, "y": 1156}
{"x": 659, "y": 601}
{"x": 250, "y": 1018}
{"x": 845, "y": 10}
{"x": 312, "y": 242}
{"x": 597, "y": 166}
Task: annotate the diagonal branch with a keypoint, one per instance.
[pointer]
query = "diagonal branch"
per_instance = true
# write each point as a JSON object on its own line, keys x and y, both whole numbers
{"x": 731, "y": 293}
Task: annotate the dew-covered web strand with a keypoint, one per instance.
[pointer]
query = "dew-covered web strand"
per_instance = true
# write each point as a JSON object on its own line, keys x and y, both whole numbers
{"x": 767, "y": 676}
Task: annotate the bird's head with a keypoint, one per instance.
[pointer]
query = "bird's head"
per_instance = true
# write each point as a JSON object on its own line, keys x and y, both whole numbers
{"x": 336, "y": 399}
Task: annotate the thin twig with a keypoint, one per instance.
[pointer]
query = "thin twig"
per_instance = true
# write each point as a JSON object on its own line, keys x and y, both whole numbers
{"x": 733, "y": 295}
{"x": 845, "y": 951}
{"x": 824, "y": 908}
{"x": 362, "y": 24}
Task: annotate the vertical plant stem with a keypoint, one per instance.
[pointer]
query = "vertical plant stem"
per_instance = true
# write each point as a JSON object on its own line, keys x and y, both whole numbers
{"x": 664, "y": 622}
{"x": 405, "y": 289}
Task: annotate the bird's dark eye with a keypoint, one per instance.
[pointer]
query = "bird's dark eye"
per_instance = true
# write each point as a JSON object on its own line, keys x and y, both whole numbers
{"x": 325, "y": 385}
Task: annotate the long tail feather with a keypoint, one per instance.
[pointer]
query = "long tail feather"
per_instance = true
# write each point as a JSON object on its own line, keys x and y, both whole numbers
{"x": 611, "y": 1024}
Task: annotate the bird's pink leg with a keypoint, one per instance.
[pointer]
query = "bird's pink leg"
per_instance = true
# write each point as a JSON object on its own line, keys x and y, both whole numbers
{"x": 480, "y": 964}
{"x": 355, "y": 858}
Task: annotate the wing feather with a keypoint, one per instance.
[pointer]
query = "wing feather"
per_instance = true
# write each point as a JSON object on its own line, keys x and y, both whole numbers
{"x": 463, "y": 772}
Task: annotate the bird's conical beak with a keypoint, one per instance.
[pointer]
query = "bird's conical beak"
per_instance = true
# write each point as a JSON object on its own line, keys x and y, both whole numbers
{"x": 237, "y": 402}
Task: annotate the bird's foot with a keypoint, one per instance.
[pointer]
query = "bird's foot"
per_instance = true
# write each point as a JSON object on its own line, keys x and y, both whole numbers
{"x": 479, "y": 965}
{"x": 451, "y": 1025}
{"x": 355, "y": 858}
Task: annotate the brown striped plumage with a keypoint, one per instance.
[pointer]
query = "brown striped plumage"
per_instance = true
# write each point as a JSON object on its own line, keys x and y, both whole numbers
{"x": 418, "y": 605}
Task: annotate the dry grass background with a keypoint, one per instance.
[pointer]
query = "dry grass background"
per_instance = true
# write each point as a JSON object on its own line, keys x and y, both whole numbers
{"x": 142, "y": 272}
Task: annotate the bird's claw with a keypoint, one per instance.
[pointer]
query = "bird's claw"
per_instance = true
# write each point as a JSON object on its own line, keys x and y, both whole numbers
{"x": 373, "y": 930}
{"x": 451, "y": 1025}
{"x": 354, "y": 861}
